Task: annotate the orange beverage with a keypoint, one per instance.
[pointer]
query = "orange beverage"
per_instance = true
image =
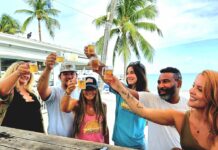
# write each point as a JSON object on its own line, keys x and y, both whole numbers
{"x": 107, "y": 73}
{"x": 33, "y": 67}
{"x": 91, "y": 49}
{"x": 59, "y": 59}
{"x": 82, "y": 83}
{"x": 95, "y": 63}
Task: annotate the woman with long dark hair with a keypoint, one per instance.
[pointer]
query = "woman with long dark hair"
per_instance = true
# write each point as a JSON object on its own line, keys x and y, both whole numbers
{"x": 90, "y": 122}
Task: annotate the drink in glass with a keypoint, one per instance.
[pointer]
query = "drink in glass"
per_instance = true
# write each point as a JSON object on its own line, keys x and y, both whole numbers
{"x": 91, "y": 49}
{"x": 33, "y": 67}
{"x": 60, "y": 57}
{"x": 95, "y": 63}
{"x": 107, "y": 72}
{"x": 82, "y": 82}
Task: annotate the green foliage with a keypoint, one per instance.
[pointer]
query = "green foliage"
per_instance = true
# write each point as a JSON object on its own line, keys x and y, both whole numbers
{"x": 40, "y": 11}
{"x": 131, "y": 18}
{"x": 9, "y": 25}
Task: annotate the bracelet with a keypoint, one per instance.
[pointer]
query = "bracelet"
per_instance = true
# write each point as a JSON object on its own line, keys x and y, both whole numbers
{"x": 66, "y": 93}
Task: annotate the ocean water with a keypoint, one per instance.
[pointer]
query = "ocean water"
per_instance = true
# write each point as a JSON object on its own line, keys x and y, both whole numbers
{"x": 187, "y": 81}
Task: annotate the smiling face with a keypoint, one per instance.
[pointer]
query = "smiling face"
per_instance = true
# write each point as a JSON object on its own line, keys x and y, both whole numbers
{"x": 131, "y": 77}
{"x": 66, "y": 76}
{"x": 89, "y": 94}
{"x": 24, "y": 79}
{"x": 197, "y": 97}
{"x": 167, "y": 85}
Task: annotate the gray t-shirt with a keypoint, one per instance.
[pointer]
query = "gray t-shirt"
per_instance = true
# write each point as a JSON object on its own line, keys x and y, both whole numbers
{"x": 162, "y": 137}
{"x": 59, "y": 123}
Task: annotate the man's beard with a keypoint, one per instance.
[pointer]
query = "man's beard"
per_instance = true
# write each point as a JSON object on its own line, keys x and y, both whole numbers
{"x": 169, "y": 92}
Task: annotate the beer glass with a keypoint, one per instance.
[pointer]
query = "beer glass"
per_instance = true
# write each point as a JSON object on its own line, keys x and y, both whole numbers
{"x": 107, "y": 72}
{"x": 91, "y": 49}
{"x": 60, "y": 57}
{"x": 95, "y": 63}
{"x": 82, "y": 82}
{"x": 33, "y": 67}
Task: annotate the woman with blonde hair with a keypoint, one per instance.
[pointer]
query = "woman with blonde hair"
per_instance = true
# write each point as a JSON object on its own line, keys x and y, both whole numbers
{"x": 19, "y": 106}
{"x": 198, "y": 127}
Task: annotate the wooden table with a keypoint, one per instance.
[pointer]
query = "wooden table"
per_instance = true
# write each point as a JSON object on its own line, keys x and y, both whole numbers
{"x": 26, "y": 140}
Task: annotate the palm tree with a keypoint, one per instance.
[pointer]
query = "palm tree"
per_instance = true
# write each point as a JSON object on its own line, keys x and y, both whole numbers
{"x": 127, "y": 25}
{"x": 41, "y": 12}
{"x": 9, "y": 25}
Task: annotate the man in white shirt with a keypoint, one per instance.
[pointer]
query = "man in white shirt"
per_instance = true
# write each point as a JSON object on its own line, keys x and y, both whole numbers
{"x": 169, "y": 83}
{"x": 59, "y": 123}
{"x": 161, "y": 137}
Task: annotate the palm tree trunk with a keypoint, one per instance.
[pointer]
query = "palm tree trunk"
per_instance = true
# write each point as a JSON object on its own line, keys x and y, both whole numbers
{"x": 107, "y": 30}
{"x": 39, "y": 28}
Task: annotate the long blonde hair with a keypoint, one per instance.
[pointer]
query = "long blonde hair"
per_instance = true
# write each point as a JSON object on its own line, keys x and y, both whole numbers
{"x": 13, "y": 67}
{"x": 211, "y": 94}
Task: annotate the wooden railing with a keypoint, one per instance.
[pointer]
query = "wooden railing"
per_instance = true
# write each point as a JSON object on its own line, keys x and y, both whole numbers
{"x": 15, "y": 139}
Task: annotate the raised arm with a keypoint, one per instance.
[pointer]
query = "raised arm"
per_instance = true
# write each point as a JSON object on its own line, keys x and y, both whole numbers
{"x": 43, "y": 83}
{"x": 163, "y": 117}
{"x": 8, "y": 83}
{"x": 67, "y": 102}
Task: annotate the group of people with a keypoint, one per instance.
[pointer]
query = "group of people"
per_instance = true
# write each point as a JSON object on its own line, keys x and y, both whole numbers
{"x": 81, "y": 113}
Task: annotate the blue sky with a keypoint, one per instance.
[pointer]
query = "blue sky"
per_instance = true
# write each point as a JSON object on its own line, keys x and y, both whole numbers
{"x": 190, "y": 40}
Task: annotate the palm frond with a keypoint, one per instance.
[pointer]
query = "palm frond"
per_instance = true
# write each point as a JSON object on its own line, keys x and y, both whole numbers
{"x": 26, "y": 23}
{"x": 100, "y": 21}
{"x": 149, "y": 12}
{"x": 146, "y": 48}
{"x": 148, "y": 26}
{"x": 133, "y": 45}
{"x": 114, "y": 32}
{"x": 24, "y": 11}
{"x": 99, "y": 45}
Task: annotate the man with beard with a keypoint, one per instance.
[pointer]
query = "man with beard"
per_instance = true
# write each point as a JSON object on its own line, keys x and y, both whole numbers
{"x": 169, "y": 83}
{"x": 59, "y": 123}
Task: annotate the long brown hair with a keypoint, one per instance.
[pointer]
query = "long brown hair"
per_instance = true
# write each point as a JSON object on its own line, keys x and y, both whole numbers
{"x": 100, "y": 110}
{"x": 211, "y": 94}
{"x": 140, "y": 72}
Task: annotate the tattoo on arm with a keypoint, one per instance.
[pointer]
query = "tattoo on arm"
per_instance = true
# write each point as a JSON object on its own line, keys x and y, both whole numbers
{"x": 123, "y": 92}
